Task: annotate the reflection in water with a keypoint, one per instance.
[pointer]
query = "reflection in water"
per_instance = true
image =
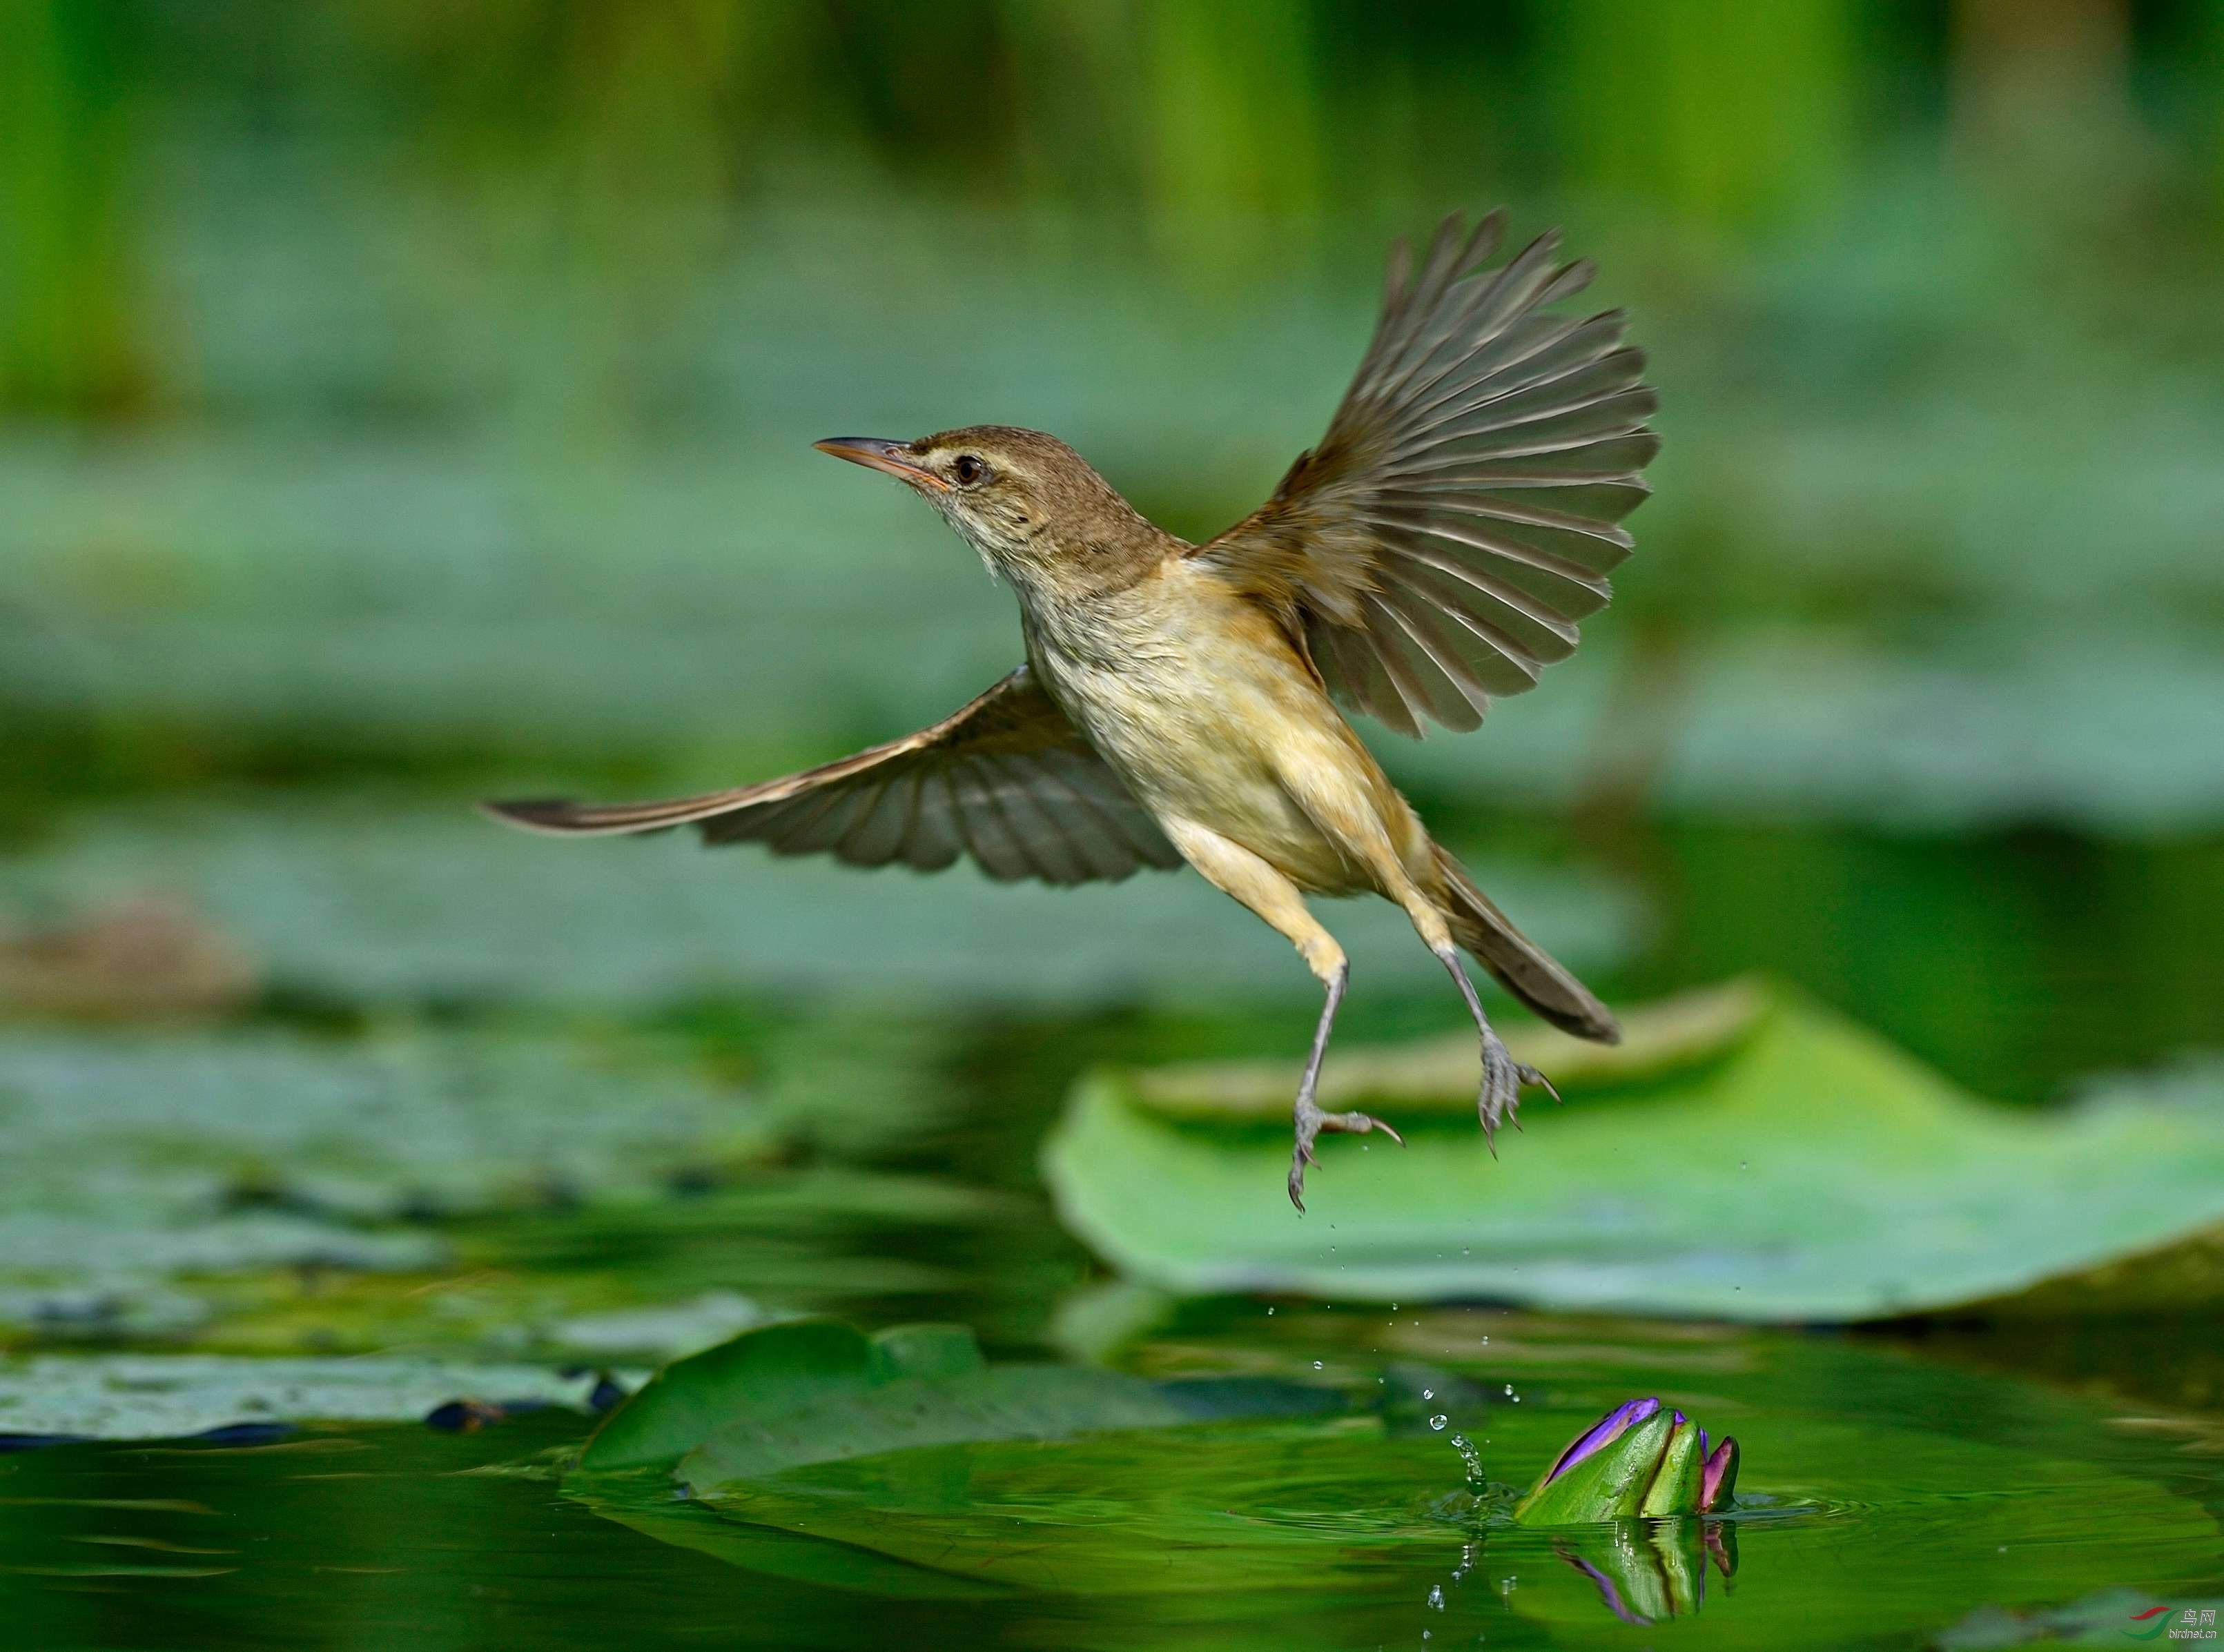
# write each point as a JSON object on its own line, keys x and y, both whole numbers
{"x": 1646, "y": 1570}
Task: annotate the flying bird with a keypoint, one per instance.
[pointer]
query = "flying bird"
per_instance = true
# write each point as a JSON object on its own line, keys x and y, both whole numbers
{"x": 1179, "y": 702}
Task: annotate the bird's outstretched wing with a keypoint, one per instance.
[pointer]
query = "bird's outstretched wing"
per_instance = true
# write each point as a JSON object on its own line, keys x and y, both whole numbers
{"x": 1464, "y": 510}
{"x": 1007, "y": 779}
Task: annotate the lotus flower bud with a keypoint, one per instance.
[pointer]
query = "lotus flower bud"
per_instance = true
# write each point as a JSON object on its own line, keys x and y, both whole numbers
{"x": 1637, "y": 1460}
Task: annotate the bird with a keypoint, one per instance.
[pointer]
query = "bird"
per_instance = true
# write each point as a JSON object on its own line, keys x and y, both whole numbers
{"x": 1183, "y": 703}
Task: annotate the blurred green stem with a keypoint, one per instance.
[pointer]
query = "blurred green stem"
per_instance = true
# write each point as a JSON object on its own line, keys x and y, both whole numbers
{"x": 70, "y": 342}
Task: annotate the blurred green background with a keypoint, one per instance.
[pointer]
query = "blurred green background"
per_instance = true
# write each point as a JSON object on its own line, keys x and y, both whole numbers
{"x": 404, "y": 402}
{"x": 417, "y": 397}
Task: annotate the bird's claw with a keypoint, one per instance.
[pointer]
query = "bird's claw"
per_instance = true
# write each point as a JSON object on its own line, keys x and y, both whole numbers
{"x": 1503, "y": 1080}
{"x": 1311, "y": 1121}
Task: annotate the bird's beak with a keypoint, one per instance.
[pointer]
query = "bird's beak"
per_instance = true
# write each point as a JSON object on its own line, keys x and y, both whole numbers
{"x": 880, "y": 456}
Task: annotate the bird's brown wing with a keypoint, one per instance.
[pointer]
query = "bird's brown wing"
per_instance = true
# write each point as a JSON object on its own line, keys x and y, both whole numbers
{"x": 1007, "y": 779}
{"x": 1461, "y": 513}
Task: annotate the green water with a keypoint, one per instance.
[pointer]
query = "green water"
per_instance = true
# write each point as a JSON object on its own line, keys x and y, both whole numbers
{"x": 1898, "y": 1479}
{"x": 1360, "y": 1530}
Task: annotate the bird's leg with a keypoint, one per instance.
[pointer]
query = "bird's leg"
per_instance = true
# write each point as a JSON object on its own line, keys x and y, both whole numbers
{"x": 1503, "y": 1077}
{"x": 1238, "y": 872}
{"x": 1499, "y": 1097}
{"x": 1309, "y": 1119}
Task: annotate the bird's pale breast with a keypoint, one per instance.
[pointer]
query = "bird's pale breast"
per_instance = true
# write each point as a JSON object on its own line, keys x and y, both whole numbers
{"x": 1196, "y": 699}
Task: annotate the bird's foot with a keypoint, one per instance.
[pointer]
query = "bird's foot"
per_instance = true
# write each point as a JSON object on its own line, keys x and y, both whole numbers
{"x": 1503, "y": 1080}
{"x": 1311, "y": 1121}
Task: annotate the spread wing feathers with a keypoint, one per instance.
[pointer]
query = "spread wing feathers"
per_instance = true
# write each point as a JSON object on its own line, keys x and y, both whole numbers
{"x": 1461, "y": 513}
{"x": 1007, "y": 779}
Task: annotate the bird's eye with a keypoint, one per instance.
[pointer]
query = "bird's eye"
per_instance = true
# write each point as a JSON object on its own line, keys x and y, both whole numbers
{"x": 967, "y": 470}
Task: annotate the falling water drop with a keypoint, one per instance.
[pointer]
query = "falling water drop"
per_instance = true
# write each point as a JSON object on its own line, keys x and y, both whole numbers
{"x": 1439, "y": 1420}
{"x": 1435, "y": 1597}
{"x": 1470, "y": 1458}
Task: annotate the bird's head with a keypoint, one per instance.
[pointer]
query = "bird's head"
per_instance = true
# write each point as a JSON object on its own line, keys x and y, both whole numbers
{"x": 1032, "y": 507}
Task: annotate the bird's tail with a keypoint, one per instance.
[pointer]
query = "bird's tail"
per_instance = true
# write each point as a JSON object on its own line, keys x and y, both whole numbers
{"x": 1522, "y": 967}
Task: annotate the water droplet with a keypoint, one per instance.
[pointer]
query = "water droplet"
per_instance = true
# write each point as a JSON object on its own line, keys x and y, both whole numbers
{"x": 1439, "y": 1420}
{"x": 1436, "y": 1599}
{"x": 1742, "y": 1165}
{"x": 1509, "y": 1390}
{"x": 1428, "y": 1393}
{"x": 1470, "y": 1459}
{"x": 1270, "y": 1312}
{"x": 1316, "y": 1365}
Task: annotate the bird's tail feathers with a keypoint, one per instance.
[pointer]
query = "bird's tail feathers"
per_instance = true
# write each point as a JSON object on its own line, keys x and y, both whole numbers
{"x": 1522, "y": 967}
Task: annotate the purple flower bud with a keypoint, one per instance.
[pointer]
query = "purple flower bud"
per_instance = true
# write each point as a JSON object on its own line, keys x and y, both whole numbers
{"x": 1718, "y": 1479}
{"x": 1603, "y": 1433}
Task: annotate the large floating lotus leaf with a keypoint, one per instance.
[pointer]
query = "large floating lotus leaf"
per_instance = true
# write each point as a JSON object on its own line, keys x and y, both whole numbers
{"x": 1438, "y": 1075}
{"x": 156, "y": 1397}
{"x": 1804, "y": 1171}
{"x": 912, "y": 1413}
{"x": 776, "y": 1367}
{"x": 816, "y": 1391}
{"x": 766, "y": 1428}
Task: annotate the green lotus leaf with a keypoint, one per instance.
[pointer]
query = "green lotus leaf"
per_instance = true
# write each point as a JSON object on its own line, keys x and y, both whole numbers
{"x": 816, "y": 1391}
{"x": 1793, "y": 1167}
{"x": 156, "y": 1397}
{"x": 772, "y": 1367}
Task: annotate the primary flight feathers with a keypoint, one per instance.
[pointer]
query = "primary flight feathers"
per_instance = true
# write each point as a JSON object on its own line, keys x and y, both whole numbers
{"x": 1005, "y": 779}
{"x": 1463, "y": 511}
